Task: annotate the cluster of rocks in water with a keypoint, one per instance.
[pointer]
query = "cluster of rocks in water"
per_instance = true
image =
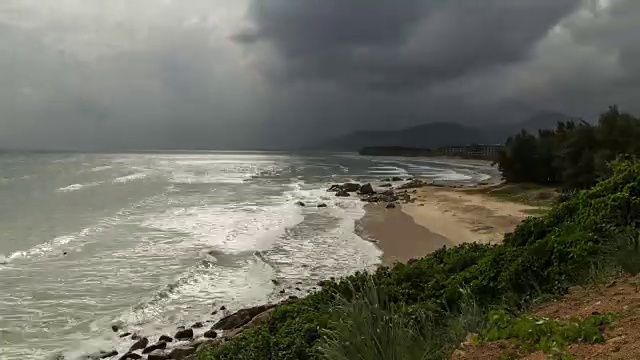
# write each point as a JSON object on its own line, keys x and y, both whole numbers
{"x": 187, "y": 344}
{"x": 387, "y": 194}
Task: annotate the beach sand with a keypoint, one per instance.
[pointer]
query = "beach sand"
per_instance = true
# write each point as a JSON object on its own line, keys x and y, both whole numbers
{"x": 439, "y": 217}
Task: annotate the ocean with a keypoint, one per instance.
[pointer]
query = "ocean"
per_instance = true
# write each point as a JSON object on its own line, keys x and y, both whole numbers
{"x": 151, "y": 241}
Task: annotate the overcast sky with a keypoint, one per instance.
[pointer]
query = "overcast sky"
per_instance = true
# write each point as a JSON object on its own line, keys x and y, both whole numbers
{"x": 263, "y": 73}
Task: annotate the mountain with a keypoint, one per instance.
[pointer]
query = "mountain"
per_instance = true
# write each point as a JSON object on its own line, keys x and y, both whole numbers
{"x": 433, "y": 135}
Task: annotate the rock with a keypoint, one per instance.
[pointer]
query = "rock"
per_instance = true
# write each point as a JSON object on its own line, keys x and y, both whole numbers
{"x": 214, "y": 312}
{"x": 386, "y": 180}
{"x": 240, "y": 318}
{"x": 293, "y": 297}
{"x": 259, "y": 319}
{"x": 335, "y": 187}
{"x": 420, "y": 204}
{"x": 210, "y": 334}
{"x": 387, "y": 185}
{"x": 140, "y": 344}
{"x": 389, "y": 193}
{"x": 366, "y": 189}
{"x": 184, "y": 334}
{"x": 322, "y": 205}
{"x": 458, "y": 355}
{"x": 158, "y": 355}
{"x": 391, "y": 205}
{"x": 102, "y": 355}
{"x": 181, "y": 352}
{"x": 396, "y": 178}
{"x": 233, "y": 332}
{"x": 136, "y": 336}
{"x": 301, "y": 204}
{"x": 197, "y": 325}
{"x": 275, "y": 282}
{"x": 413, "y": 184}
{"x": 125, "y": 335}
{"x": 343, "y": 193}
{"x": 350, "y": 187}
{"x": 202, "y": 344}
{"x": 131, "y": 356}
{"x": 166, "y": 338}
{"x": 223, "y": 308}
{"x": 157, "y": 346}
{"x": 115, "y": 328}
{"x": 411, "y": 261}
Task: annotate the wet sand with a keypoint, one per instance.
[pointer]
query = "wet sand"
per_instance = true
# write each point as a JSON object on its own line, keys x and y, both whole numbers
{"x": 398, "y": 235}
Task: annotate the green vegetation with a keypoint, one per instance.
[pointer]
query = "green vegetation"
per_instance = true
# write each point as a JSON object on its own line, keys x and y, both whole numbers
{"x": 574, "y": 155}
{"x": 550, "y": 336}
{"x": 423, "y": 310}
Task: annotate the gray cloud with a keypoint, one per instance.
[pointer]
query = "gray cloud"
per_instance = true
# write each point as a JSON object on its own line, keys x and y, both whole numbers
{"x": 246, "y": 73}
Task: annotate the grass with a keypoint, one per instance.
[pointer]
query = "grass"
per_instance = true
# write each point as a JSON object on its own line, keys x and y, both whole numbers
{"x": 527, "y": 194}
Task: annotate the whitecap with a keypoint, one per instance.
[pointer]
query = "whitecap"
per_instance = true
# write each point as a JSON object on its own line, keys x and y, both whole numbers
{"x": 130, "y": 177}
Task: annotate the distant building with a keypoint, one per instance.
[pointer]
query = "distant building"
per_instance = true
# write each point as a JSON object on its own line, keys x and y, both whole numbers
{"x": 479, "y": 151}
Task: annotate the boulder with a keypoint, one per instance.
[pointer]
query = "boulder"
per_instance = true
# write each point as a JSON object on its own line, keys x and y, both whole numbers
{"x": 197, "y": 325}
{"x": 388, "y": 193}
{"x": 181, "y": 352}
{"x": 125, "y": 335}
{"x": 391, "y": 206}
{"x": 115, "y": 328}
{"x": 395, "y": 178}
{"x": 386, "y": 180}
{"x": 387, "y": 185}
{"x": 139, "y": 345}
{"x": 210, "y": 334}
{"x": 157, "y": 346}
{"x": 184, "y": 334}
{"x": 136, "y": 336}
{"x": 413, "y": 184}
{"x": 240, "y": 318}
{"x": 259, "y": 319}
{"x": 165, "y": 338}
{"x": 301, "y": 204}
{"x": 334, "y": 188}
{"x": 322, "y": 205}
{"x": 350, "y": 187}
{"x": 343, "y": 193}
{"x": 158, "y": 355}
{"x": 131, "y": 356}
{"x": 202, "y": 344}
{"x": 366, "y": 189}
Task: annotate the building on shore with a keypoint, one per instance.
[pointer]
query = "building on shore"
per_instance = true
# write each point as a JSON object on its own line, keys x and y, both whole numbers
{"x": 479, "y": 151}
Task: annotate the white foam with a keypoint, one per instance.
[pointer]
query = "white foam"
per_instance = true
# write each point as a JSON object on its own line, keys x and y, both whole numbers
{"x": 76, "y": 187}
{"x": 101, "y": 168}
{"x": 131, "y": 177}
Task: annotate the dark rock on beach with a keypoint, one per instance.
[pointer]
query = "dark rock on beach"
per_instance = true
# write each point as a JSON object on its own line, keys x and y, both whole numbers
{"x": 334, "y": 188}
{"x": 125, "y": 335}
{"x": 301, "y": 204}
{"x": 391, "y": 206}
{"x": 158, "y": 355}
{"x": 395, "y": 178}
{"x": 184, "y": 334}
{"x": 197, "y": 325}
{"x": 240, "y": 318}
{"x": 166, "y": 338}
{"x": 366, "y": 189}
{"x": 350, "y": 187}
{"x": 157, "y": 346}
{"x": 115, "y": 328}
{"x": 211, "y": 334}
{"x": 343, "y": 193}
{"x": 322, "y": 205}
{"x": 181, "y": 352}
{"x": 136, "y": 336}
{"x": 131, "y": 356}
{"x": 140, "y": 344}
{"x": 387, "y": 185}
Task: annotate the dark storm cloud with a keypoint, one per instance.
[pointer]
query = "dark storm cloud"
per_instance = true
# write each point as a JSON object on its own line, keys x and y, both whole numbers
{"x": 390, "y": 45}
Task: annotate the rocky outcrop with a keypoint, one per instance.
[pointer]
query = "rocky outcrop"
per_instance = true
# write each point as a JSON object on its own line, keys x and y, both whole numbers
{"x": 259, "y": 319}
{"x": 139, "y": 345}
{"x": 184, "y": 334}
{"x": 350, "y": 187}
{"x": 240, "y": 318}
{"x": 366, "y": 189}
{"x": 181, "y": 352}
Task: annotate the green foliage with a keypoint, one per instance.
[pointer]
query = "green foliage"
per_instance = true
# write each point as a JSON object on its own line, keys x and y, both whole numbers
{"x": 574, "y": 155}
{"x": 589, "y": 232}
{"x": 550, "y": 336}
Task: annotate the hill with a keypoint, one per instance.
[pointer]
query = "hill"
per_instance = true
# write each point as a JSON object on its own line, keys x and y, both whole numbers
{"x": 437, "y": 134}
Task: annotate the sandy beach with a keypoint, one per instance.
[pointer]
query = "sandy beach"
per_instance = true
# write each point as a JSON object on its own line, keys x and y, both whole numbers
{"x": 439, "y": 217}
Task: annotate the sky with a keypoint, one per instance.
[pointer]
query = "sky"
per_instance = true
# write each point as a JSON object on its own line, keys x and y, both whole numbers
{"x": 121, "y": 74}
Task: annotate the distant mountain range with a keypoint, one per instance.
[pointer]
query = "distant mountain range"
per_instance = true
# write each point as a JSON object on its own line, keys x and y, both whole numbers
{"x": 433, "y": 135}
